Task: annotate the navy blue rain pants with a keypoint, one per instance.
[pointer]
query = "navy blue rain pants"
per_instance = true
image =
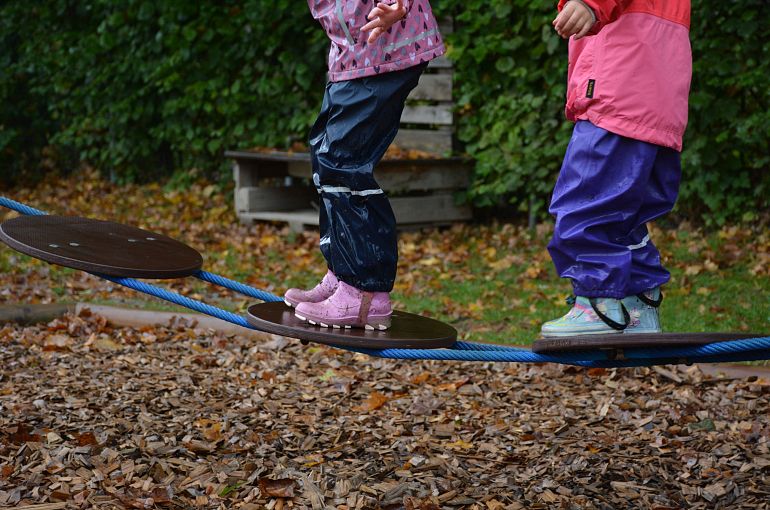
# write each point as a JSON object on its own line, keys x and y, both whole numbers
{"x": 609, "y": 187}
{"x": 358, "y": 121}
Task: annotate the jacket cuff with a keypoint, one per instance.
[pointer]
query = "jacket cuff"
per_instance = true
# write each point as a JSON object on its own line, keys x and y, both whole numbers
{"x": 606, "y": 12}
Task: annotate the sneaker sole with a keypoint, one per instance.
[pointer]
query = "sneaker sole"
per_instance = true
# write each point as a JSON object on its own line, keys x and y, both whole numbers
{"x": 579, "y": 333}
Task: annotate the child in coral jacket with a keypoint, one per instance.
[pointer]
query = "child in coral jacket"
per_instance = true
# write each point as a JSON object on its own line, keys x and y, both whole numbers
{"x": 376, "y": 58}
{"x": 629, "y": 74}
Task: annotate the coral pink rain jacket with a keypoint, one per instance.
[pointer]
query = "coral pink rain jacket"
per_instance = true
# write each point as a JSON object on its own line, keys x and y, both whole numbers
{"x": 413, "y": 40}
{"x": 631, "y": 76}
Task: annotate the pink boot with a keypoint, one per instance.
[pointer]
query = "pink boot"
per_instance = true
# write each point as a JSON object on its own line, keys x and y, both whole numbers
{"x": 349, "y": 307}
{"x": 323, "y": 290}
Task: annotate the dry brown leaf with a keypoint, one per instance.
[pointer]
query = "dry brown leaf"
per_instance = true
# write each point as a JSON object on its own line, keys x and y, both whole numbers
{"x": 420, "y": 378}
{"x": 86, "y": 439}
{"x": 281, "y": 488}
{"x": 375, "y": 401}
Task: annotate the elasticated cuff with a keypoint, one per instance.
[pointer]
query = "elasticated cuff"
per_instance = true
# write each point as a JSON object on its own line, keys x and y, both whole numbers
{"x": 597, "y": 293}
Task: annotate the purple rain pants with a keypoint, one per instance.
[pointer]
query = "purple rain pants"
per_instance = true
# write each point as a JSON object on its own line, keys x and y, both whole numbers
{"x": 609, "y": 187}
{"x": 358, "y": 121}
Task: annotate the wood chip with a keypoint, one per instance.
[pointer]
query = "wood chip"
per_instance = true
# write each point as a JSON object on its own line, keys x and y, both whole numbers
{"x": 178, "y": 418}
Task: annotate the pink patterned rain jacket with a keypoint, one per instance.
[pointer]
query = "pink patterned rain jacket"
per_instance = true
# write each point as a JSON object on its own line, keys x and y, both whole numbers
{"x": 413, "y": 40}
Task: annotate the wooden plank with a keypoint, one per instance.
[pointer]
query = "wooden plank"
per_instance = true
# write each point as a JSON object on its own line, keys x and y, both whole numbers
{"x": 302, "y": 171}
{"x": 306, "y": 216}
{"x": 399, "y": 180}
{"x": 253, "y": 199}
{"x": 268, "y": 156}
{"x": 249, "y": 172}
{"x": 433, "y": 87}
{"x": 434, "y": 141}
{"x": 297, "y": 220}
{"x": 437, "y": 177}
{"x": 438, "y": 115}
{"x": 30, "y": 314}
{"x": 438, "y": 208}
{"x": 243, "y": 177}
{"x": 397, "y": 176}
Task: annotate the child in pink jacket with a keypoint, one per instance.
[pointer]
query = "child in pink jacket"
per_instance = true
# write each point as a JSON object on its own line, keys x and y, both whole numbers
{"x": 628, "y": 83}
{"x": 377, "y": 55}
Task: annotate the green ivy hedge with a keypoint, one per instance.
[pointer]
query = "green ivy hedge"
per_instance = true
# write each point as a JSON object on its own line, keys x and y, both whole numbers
{"x": 143, "y": 88}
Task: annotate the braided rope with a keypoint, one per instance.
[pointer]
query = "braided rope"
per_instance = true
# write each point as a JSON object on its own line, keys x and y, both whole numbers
{"x": 20, "y": 208}
{"x": 239, "y": 287}
{"x": 736, "y": 350}
{"x": 749, "y": 350}
{"x": 180, "y": 300}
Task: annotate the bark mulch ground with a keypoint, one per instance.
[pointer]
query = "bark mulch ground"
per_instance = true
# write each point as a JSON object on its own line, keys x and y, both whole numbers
{"x": 93, "y": 416}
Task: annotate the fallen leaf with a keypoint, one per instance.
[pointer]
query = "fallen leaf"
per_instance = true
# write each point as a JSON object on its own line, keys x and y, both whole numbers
{"x": 281, "y": 488}
{"x": 86, "y": 439}
{"x": 375, "y": 401}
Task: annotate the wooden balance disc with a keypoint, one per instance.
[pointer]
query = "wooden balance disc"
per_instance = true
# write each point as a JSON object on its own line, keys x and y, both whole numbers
{"x": 407, "y": 331}
{"x": 634, "y": 341}
{"x": 100, "y": 247}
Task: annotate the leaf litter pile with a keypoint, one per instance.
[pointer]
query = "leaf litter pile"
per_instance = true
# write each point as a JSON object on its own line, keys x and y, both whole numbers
{"x": 93, "y": 416}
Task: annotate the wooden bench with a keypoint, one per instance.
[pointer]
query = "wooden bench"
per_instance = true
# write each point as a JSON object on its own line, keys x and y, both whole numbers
{"x": 276, "y": 186}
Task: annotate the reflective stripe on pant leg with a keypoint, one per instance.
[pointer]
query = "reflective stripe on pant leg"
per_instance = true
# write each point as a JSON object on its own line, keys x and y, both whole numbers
{"x": 647, "y": 271}
{"x": 596, "y": 201}
{"x": 363, "y": 120}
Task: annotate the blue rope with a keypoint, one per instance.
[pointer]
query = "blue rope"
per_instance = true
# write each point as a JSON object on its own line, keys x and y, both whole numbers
{"x": 737, "y": 350}
{"x": 749, "y": 350}
{"x": 239, "y": 287}
{"x": 180, "y": 300}
{"x": 20, "y": 208}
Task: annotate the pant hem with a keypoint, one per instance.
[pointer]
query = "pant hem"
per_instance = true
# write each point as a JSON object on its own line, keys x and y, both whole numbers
{"x": 635, "y": 291}
{"x": 365, "y": 287}
{"x": 613, "y": 294}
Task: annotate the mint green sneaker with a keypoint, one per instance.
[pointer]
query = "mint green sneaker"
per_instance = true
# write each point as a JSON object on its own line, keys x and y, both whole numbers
{"x": 643, "y": 310}
{"x": 589, "y": 316}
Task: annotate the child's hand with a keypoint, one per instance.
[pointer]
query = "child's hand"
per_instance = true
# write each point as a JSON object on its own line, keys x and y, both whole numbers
{"x": 382, "y": 17}
{"x": 574, "y": 19}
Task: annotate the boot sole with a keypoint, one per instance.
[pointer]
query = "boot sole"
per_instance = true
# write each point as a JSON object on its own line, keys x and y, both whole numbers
{"x": 381, "y": 323}
{"x": 293, "y": 304}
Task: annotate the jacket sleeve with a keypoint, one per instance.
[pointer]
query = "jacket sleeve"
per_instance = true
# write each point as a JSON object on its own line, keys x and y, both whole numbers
{"x": 605, "y": 11}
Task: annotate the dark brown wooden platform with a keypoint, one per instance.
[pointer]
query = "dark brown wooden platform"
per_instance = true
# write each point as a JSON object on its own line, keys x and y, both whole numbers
{"x": 407, "y": 331}
{"x": 101, "y": 247}
{"x": 633, "y": 341}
